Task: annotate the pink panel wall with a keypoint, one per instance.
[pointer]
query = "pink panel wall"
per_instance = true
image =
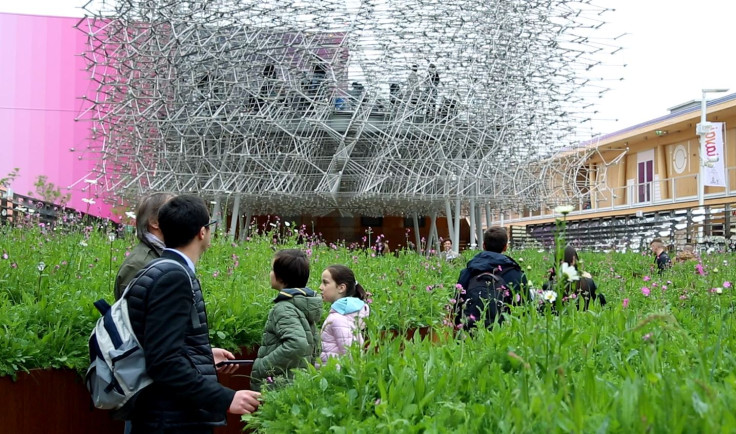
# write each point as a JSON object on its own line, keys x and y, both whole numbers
{"x": 42, "y": 77}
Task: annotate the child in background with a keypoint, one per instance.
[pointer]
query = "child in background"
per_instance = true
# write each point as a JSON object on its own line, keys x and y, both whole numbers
{"x": 344, "y": 324}
{"x": 290, "y": 338}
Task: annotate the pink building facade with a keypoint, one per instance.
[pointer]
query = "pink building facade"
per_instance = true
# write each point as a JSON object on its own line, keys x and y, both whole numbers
{"x": 42, "y": 126}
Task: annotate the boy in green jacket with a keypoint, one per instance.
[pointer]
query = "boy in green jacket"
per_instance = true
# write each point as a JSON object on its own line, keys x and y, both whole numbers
{"x": 291, "y": 335}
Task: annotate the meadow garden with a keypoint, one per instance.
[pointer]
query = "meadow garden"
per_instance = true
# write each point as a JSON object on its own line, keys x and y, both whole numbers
{"x": 659, "y": 357}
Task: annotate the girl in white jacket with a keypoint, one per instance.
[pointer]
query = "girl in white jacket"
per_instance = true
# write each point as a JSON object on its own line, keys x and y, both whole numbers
{"x": 344, "y": 324}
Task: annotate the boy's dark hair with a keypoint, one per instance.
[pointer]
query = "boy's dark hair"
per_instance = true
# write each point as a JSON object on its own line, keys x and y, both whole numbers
{"x": 495, "y": 239}
{"x": 342, "y": 274}
{"x": 291, "y": 266}
{"x": 181, "y": 219}
{"x": 147, "y": 210}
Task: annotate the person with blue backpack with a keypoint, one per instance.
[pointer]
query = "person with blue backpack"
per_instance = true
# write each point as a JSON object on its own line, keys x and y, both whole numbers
{"x": 167, "y": 314}
{"x": 490, "y": 283}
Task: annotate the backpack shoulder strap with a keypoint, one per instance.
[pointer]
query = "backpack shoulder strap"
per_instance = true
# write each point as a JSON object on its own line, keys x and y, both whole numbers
{"x": 196, "y": 323}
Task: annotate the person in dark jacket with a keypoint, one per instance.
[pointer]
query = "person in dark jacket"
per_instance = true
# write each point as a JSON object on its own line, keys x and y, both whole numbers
{"x": 151, "y": 240}
{"x": 167, "y": 312}
{"x": 583, "y": 288}
{"x": 291, "y": 336}
{"x": 661, "y": 258}
{"x": 492, "y": 259}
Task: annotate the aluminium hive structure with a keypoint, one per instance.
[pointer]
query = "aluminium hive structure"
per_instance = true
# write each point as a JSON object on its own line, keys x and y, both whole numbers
{"x": 374, "y": 107}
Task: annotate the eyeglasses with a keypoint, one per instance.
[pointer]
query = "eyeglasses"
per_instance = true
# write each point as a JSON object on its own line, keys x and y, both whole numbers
{"x": 213, "y": 222}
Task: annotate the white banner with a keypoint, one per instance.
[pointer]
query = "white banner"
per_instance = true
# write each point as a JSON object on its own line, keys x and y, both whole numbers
{"x": 711, "y": 150}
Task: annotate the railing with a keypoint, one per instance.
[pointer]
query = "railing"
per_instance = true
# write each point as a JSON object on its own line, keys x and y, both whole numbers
{"x": 678, "y": 189}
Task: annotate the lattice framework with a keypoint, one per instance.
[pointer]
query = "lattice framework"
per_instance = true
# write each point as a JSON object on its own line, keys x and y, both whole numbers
{"x": 307, "y": 107}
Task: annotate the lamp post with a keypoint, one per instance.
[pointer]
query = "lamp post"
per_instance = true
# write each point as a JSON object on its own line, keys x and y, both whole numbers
{"x": 702, "y": 129}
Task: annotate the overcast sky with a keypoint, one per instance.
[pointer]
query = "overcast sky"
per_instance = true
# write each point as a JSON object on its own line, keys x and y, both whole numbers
{"x": 672, "y": 50}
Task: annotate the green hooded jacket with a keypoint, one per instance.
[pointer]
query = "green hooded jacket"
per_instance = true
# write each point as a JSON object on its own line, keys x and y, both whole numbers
{"x": 291, "y": 335}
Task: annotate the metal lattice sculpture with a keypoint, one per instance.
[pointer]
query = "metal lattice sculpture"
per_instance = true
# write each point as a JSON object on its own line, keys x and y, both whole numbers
{"x": 374, "y": 107}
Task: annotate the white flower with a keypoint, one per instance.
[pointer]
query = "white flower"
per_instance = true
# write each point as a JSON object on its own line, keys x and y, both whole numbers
{"x": 111, "y": 236}
{"x": 564, "y": 209}
{"x": 549, "y": 296}
{"x": 41, "y": 267}
{"x": 719, "y": 290}
{"x": 287, "y": 224}
{"x": 83, "y": 243}
{"x": 130, "y": 214}
{"x": 570, "y": 273}
{"x": 715, "y": 270}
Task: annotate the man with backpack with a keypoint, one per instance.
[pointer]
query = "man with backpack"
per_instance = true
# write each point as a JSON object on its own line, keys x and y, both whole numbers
{"x": 490, "y": 283}
{"x": 167, "y": 313}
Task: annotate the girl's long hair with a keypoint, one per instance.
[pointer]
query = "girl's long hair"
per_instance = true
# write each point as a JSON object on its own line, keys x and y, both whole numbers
{"x": 344, "y": 275}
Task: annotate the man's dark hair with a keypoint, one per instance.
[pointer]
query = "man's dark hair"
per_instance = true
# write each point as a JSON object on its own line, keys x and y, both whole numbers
{"x": 181, "y": 219}
{"x": 495, "y": 239}
{"x": 147, "y": 211}
{"x": 291, "y": 267}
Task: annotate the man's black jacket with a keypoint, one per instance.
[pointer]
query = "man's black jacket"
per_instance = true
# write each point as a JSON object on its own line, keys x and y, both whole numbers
{"x": 168, "y": 315}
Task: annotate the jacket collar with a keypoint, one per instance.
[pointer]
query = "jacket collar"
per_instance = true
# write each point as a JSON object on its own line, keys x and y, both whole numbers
{"x": 179, "y": 257}
{"x": 290, "y": 293}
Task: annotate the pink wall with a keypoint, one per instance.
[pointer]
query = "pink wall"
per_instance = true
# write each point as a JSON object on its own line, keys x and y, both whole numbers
{"x": 42, "y": 76}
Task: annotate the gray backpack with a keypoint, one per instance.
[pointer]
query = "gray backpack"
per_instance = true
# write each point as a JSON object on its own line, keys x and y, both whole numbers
{"x": 117, "y": 370}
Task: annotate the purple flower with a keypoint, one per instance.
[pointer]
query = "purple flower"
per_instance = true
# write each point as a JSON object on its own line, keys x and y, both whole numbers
{"x": 647, "y": 336}
{"x": 626, "y": 303}
{"x": 645, "y": 291}
{"x": 726, "y": 284}
{"x": 5, "y": 256}
{"x": 647, "y": 278}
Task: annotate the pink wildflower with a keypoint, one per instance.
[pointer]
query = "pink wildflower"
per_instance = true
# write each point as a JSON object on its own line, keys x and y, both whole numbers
{"x": 647, "y": 278}
{"x": 5, "y": 255}
{"x": 726, "y": 284}
{"x": 647, "y": 336}
{"x": 369, "y": 300}
{"x": 458, "y": 286}
{"x": 429, "y": 288}
{"x": 645, "y": 291}
{"x": 626, "y": 303}
{"x": 699, "y": 269}
{"x": 683, "y": 297}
